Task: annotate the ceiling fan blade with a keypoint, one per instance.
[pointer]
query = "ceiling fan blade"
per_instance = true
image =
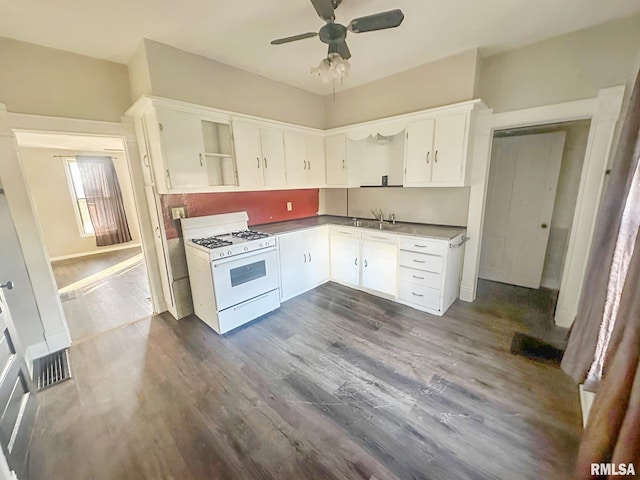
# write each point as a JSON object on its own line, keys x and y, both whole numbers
{"x": 324, "y": 8}
{"x": 377, "y": 21}
{"x": 293, "y": 38}
{"x": 341, "y": 49}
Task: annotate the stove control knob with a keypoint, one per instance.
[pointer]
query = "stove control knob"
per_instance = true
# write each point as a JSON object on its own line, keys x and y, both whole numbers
{"x": 246, "y": 249}
{"x": 261, "y": 245}
{"x": 222, "y": 254}
{"x": 229, "y": 252}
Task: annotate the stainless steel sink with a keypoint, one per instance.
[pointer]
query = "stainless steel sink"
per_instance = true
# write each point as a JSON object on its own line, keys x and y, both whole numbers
{"x": 380, "y": 226}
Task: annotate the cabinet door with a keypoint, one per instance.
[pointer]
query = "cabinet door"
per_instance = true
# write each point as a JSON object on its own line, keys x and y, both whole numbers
{"x": 449, "y": 149}
{"x": 183, "y": 147}
{"x": 379, "y": 266}
{"x": 296, "y": 159}
{"x": 336, "y": 159}
{"x": 345, "y": 257}
{"x": 273, "y": 165}
{"x": 419, "y": 152}
{"x": 318, "y": 255}
{"x": 246, "y": 139}
{"x": 316, "y": 173}
{"x": 293, "y": 264}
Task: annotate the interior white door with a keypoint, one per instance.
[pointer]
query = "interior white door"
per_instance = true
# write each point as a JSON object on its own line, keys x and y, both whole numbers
{"x": 523, "y": 179}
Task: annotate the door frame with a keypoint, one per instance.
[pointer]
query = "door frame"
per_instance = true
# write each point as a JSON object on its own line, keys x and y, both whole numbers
{"x": 38, "y": 262}
{"x": 604, "y": 113}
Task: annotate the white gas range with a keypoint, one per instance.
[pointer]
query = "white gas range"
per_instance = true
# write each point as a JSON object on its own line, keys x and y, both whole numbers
{"x": 233, "y": 271}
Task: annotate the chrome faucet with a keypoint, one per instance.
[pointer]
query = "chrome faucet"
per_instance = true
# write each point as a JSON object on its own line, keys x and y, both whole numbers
{"x": 378, "y": 215}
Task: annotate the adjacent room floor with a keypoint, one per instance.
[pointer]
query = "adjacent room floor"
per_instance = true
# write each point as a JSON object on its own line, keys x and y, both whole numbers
{"x": 104, "y": 291}
{"x": 336, "y": 384}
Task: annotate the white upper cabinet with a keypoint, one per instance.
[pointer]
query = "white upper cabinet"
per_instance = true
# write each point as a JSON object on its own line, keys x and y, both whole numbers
{"x": 259, "y": 155}
{"x": 185, "y": 152}
{"x": 295, "y": 153}
{"x": 246, "y": 138}
{"x": 315, "y": 148}
{"x": 336, "y": 158}
{"x": 436, "y": 151}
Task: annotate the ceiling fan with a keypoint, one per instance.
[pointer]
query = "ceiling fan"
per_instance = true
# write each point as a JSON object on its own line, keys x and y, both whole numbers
{"x": 334, "y": 34}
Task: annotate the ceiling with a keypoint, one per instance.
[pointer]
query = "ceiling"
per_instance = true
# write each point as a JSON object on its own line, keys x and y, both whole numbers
{"x": 238, "y": 32}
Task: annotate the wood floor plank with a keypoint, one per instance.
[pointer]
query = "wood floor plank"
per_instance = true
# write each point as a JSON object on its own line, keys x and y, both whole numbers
{"x": 336, "y": 384}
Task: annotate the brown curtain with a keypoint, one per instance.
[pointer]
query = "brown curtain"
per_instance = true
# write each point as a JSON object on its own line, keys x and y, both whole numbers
{"x": 104, "y": 200}
{"x": 604, "y": 344}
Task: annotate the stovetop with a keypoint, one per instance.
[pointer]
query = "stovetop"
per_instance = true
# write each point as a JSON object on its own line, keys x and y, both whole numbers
{"x": 234, "y": 243}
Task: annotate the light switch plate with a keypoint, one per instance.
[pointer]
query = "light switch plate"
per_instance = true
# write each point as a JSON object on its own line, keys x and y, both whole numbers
{"x": 289, "y": 206}
{"x": 177, "y": 213}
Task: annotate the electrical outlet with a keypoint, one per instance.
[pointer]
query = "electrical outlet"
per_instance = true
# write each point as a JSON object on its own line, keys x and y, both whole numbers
{"x": 289, "y": 207}
{"x": 177, "y": 213}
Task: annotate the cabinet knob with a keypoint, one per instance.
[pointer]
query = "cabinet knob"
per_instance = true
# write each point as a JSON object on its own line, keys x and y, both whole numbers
{"x": 258, "y": 160}
{"x": 435, "y": 158}
{"x": 427, "y": 157}
{"x": 544, "y": 225}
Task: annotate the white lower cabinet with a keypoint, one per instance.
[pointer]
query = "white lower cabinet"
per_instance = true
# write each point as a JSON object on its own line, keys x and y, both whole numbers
{"x": 379, "y": 263}
{"x": 423, "y": 273}
{"x": 345, "y": 255}
{"x": 429, "y": 273}
{"x": 304, "y": 260}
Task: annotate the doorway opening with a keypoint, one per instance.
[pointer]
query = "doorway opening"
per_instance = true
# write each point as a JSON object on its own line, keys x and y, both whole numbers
{"x": 534, "y": 180}
{"x": 101, "y": 277}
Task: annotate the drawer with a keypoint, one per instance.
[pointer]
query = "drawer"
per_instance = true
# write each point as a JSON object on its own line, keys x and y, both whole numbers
{"x": 380, "y": 237}
{"x": 423, "y": 245}
{"x": 421, "y": 261}
{"x": 419, "y": 277}
{"x": 423, "y": 296}
{"x": 345, "y": 232}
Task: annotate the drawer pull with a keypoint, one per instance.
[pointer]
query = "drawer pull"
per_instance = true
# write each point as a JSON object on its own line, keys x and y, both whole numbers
{"x": 419, "y": 246}
{"x": 419, "y": 278}
{"x": 418, "y": 261}
{"x": 416, "y": 294}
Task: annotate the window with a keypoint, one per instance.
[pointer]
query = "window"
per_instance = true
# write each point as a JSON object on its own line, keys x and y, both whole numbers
{"x": 77, "y": 192}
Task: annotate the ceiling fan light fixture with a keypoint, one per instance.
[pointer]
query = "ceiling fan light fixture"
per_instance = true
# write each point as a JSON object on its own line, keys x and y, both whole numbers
{"x": 334, "y": 67}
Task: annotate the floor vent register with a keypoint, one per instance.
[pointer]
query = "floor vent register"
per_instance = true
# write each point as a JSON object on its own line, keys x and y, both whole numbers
{"x": 52, "y": 369}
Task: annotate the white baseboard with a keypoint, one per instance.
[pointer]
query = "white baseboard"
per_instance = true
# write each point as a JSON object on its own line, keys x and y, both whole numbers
{"x": 467, "y": 293}
{"x": 94, "y": 252}
{"x": 564, "y": 318}
{"x": 586, "y": 401}
{"x": 53, "y": 343}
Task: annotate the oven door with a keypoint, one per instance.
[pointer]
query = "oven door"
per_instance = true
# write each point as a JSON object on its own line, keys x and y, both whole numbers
{"x": 244, "y": 277}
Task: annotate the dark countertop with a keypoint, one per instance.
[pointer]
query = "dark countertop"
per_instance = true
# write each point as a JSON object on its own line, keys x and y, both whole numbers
{"x": 403, "y": 228}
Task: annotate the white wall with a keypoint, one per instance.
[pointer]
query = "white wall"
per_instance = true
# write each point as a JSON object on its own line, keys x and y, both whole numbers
{"x": 192, "y": 78}
{"x": 44, "y": 81}
{"x": 569, "y": 67}
{"x": 433, "y": 84}
{"x": 46, "y": 177}
{"x": 440, "y": 206}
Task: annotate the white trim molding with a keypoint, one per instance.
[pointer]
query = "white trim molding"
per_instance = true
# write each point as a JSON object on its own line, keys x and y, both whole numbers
{"x": 604, "y": 112}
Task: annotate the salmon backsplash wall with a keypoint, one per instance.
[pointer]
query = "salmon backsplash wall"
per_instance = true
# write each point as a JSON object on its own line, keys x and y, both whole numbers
{"x": 262, "y": 207}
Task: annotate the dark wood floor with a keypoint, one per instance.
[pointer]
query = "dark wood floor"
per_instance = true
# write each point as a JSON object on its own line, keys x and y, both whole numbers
{"x": 95, "y": 302}
{"x": 336, "y": 384}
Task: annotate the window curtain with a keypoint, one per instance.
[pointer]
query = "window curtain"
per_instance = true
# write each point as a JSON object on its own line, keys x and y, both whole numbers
{"x": 604, "y": 343}
{"x": 104, "y": 200}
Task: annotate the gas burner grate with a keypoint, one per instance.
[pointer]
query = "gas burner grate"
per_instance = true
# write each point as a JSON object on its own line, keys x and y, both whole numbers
{"x": 212, "y": 242}
{"x": 249, "y": 234}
